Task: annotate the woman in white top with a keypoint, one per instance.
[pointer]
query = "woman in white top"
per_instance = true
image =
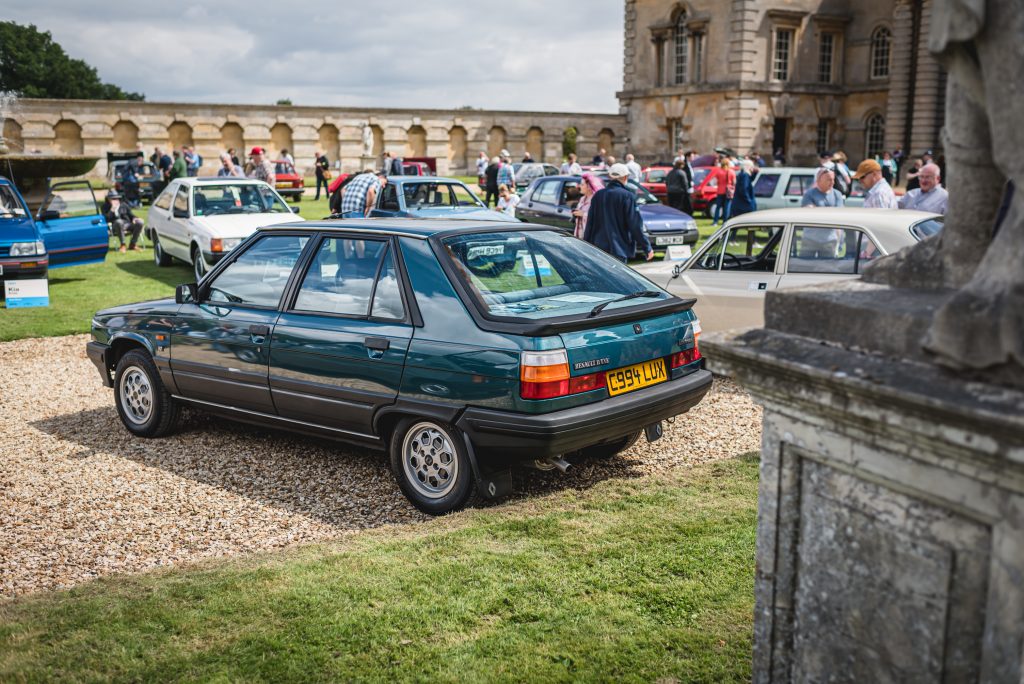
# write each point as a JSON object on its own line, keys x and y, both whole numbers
{"x": 507, "y": 200}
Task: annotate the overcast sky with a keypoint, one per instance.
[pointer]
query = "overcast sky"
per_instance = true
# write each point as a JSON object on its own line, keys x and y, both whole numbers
{"x": 542, "y": 55}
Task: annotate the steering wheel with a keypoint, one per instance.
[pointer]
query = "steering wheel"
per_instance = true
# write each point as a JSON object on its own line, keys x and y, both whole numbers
{"x": 727, "y": 256}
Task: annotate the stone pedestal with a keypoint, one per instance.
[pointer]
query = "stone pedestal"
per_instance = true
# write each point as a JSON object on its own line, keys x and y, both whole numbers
{"x": 891, "y": 510}
{"x": 368, "y": 162}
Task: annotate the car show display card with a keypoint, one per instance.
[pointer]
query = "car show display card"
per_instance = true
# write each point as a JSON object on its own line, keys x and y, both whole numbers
{"x": 26, "y": 293}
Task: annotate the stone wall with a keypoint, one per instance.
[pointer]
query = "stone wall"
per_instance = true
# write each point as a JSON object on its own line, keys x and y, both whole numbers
{"x": 455, "y": 137}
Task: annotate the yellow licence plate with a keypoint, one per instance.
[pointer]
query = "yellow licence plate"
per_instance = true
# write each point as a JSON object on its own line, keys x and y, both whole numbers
{"x": 622, "y": 380}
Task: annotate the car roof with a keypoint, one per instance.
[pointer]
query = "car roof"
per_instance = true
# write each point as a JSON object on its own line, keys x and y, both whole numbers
{"x": 406, "y": 227}
{"x": 793, "y": 169}
{"x": 423, "y": 179}
{"x": 876, "y": 219}
{"x": 212, "y": 180}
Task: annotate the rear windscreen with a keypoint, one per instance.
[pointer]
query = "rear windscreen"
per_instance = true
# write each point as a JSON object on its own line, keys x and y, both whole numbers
{"x": 543, "y": 274}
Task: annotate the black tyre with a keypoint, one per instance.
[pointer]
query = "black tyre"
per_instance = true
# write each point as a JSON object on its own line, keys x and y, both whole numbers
{"x": 609, "y": 449}
{"x": 161, "y": 257}
{"x": 198, "y": 264}
{"x": 144, "y": 404}
{"x": 430, "y": 462}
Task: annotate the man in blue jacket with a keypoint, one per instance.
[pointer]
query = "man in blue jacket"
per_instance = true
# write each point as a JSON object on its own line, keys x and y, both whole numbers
{"x": 613, "y": 222}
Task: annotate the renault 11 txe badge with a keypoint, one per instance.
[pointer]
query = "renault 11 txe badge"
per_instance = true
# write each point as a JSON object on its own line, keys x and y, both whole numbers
{"x": 580, "y": 365}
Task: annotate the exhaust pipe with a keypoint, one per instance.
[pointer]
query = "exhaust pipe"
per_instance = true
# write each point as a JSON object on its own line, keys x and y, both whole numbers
{"x": 551, "y": 463}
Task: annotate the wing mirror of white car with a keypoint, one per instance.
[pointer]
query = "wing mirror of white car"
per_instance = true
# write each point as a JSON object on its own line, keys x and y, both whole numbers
{"x": 295, "y": 210}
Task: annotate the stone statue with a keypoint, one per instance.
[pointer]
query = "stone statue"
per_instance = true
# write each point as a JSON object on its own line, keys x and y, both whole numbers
{"x": 367, "y": 140}
{"x": 980, "y": 327}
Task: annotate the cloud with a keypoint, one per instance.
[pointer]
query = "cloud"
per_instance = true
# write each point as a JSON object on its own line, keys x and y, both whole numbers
{"x": 529, "y": 55}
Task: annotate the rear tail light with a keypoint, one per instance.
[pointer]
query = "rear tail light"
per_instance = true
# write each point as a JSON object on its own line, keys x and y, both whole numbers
{"x": 545, "y": 375}
{"x": 688, "y": 356}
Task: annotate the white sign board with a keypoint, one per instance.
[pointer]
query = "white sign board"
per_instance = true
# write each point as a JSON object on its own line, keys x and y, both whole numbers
{"x": 25, "y": 293}
{"x": 678, "y": 252}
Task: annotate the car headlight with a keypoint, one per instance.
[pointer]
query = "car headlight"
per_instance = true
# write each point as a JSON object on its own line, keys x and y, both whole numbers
{"x": 223, "y": 244}
{"x": 691, "y": 225}
{"x": 28, "y": 248}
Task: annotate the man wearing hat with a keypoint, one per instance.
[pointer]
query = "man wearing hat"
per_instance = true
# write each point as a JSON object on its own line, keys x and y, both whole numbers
{"x": 262, "y": 169}
{"x": 879, "y": 192}
{"x": 120, "y": 217}
{"x": 613, "y": 222}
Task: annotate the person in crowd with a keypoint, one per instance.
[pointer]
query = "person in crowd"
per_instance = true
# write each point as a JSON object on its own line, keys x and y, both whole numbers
{"x": 589, "y": 185}
{"x": 825, "y": 160}
{"x": 491, "y": 181}
{"x": 599, "y": 158}
{"x": 262, "y": 169}
{"x": 677, "y": 187}
{"x": 571, "y": 167}
{"x": 192, "y": 160}
{"x": 879, "y": 192}
{"x": 613, "y": 221}
{"x": 897, "y": 157}
{"x": 287, "y": 157}
{"x": 162, "y": 162}
{"x": 744, "y": 202}
{"x": 360, "y": 195}
{"x": 844, "y": 183}
{"x": 178, "y": 169}
{"x": 527, "y": 158}
{"x": 120, "y": 217}
{"x": 228, "y": 168}
{"x": 888, "y": 167}
{"x": 927, "y": 157}
{"x": 481, "y": 167}
{"x": 322, "y": 169}
{"x": 779, "y": 158}
{"x": 130, "y": 180}
{"x": 634, "y": 168}
{"x": 508, "y": 200}
{"x": 725, "y": 178}
{"x": 912, "y": 181}
{"x": 397, "y": 167}
{"x": 234, "y": 157}
{"x": 931, "y": 196}
{"x": 758, "y": 159}
{"x": 506, "y": 172}
{"x": 823, "y": 193}
{"x": 608, "y": 161}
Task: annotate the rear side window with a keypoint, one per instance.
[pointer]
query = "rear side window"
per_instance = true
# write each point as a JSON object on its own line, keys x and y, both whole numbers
{"x": 926, "y": 228}
{"x": 765, "y": 184}
{"x": 541, "y": 274}
{"x": 830, "y": 250}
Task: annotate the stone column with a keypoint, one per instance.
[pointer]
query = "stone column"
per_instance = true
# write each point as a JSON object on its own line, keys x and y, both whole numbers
{"x": 900, "y": 78}
{"x": 928, "y": 95}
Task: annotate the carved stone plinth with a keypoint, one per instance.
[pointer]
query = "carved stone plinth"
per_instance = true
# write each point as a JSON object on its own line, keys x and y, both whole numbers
{"x": 891, "y": 512}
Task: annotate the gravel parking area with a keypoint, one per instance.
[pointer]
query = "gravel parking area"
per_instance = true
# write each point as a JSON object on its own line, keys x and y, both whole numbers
{"x": 81, "y": 498}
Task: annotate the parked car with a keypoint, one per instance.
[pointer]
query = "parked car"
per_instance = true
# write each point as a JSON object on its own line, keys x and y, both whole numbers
{"x": 149, "y": 176}
{"x": 462, "y": 348}
{"x": 67, "y": 230}
{"x": 287, "y": 181}
{"x": 550, "y": 200}
{"x": 529, "y": 172}
{"x": 200, "y": 220}
{"x": 431, "y": 197}
{"x": 705, "y": 189}
{"x": 653, "y": 178}
{"x": 779, "y": 248}
{"x": 779, "y": 187}
{"x": 416, "y": 168}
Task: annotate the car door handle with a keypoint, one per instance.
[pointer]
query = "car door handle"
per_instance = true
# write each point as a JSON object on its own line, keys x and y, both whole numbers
{"x": 380, "y": 344}
{"x": 95, "y": 222}
{"x": 258, "y": 333}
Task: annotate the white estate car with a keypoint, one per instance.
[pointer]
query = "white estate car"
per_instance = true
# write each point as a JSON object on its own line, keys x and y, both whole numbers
{"x": 199, "y": 220}
{"x": 778, "y": 248}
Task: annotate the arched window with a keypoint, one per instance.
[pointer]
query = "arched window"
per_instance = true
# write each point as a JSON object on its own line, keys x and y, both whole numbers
{"x": 881, "y": 44}
{"x": 874, "y": 136}
{"x": 682, "y": 49}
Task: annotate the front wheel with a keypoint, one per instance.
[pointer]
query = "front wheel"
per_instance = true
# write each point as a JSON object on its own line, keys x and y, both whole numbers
{"x": 161, "y": 257}
{"x": 430, "y": 462}
{"x": 143, "y": 403}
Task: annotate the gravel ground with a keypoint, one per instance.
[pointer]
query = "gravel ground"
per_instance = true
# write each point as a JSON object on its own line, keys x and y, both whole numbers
{"x": 80, "y": 498}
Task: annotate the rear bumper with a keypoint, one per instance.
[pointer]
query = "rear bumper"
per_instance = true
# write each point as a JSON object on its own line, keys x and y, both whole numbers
{"x": 290, "y": 192}
{"x": 549, "y": 434}
{"x": 97, "y": 353}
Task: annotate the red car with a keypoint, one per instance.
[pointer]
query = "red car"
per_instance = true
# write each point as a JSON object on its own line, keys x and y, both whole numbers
{"x": 705, "y": 188}
{"x": 288, "y": 182}
{"x": 416, "y": 168}
{"x": 653, "y": 178}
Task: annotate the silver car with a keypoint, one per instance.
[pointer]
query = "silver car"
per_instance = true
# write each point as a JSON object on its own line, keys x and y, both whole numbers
{"x": 768, "y": 250}
{"x": 780, "y": 187}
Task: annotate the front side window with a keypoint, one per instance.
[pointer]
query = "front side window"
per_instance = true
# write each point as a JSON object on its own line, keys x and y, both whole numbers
{"x": 927, "y": 228}
{"x": 464, "y": 197}
{"x": 782, "y": 54}
{"x": 542, "y": 274}
{"x": 830, "y": 250}
{"x": 71, "y": 201}
{"x": 237, "y": 198}
{"x": 743, "y": 248}
{"x": 570, "y": 194}
{"x": 420, "y": 195}
{"x": 348, "y": 275}
{"x": 259, "y": 274}
{"x": 164, "y": 200}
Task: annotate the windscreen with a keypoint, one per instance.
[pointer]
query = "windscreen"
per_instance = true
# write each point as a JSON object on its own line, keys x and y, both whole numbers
{"x": 237, "y": 198}
{"x": 543, "y": 274}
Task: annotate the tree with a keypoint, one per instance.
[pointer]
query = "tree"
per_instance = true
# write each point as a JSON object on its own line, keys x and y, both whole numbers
{"x": 33, "y": 65}
{"x": 284, "y": 102}
{"x": 569, "y": 141}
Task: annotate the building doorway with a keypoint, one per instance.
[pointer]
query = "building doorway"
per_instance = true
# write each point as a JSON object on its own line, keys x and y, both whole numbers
{"x": 780, "y": 136}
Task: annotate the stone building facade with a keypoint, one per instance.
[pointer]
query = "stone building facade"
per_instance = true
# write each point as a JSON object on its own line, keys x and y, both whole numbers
{"x": 800, "y": 75}
{"x": 455, "y": 137}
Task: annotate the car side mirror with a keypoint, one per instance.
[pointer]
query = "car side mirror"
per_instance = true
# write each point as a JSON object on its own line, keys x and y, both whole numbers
{"x": 295, "y": 210}
{"x": 49, "y": 215}
{"x": 180, "y": 213}
{"x": 186, "y": 293}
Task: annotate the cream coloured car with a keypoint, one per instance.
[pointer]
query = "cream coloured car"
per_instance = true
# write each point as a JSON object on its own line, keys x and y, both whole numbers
{"x": 777, "y": 248}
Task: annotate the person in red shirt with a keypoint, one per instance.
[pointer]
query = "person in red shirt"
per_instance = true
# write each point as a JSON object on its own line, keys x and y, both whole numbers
{"x": 725, "y": 178}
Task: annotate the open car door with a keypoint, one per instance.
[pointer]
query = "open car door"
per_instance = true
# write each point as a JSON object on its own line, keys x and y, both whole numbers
{"x": 72, "y": 226}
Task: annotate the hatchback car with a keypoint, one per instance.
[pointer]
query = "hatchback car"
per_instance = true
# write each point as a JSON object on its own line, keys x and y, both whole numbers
{"x": 431, "y": 197}
{"x": 779, "y": 248}
{"x": 462, "y": 348}
{"x": 528, "y": 172}
{"x": 780, "y": 187}
{"x": 287, "y": 181}
{"x": 199, "y": 220}
{"x": 551, "y": 199}
{"x": 653, "y": 178}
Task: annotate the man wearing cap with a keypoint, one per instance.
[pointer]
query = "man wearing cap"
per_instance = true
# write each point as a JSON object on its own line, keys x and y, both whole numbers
{"x": 613, "y": 222}
{"x": 120, "y": 217}
{"x": 823, "y": 192}
{"x": 262, "y": 169}
{"x": 930, "y": 196}
{"x": 360, "y": 194}
{"x": 879, "y": 193}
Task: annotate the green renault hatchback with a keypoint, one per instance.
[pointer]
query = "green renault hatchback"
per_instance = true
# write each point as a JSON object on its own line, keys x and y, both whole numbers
{"x": 463, "y": 348}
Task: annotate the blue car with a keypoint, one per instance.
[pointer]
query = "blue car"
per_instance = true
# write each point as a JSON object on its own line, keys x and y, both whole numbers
{"x": 462, "y": 348}
{"x": 431, "y": 197}
{"x": 551, "y": 199}
{"x": 68, "y": 230}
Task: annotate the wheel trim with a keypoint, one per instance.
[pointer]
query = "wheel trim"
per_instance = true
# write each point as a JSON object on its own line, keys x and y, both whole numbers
{"x": 135, "y": 392}
{"x": 198, "y": 265}
{"x": 158, "y": 251}
{"x": 430, "y": 460}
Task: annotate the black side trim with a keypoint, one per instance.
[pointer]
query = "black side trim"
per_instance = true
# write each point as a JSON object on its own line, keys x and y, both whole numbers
{"x": 446, "y": 413}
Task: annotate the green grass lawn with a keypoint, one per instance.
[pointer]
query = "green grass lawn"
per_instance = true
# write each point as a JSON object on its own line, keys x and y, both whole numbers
{"x": 632, "y": 580}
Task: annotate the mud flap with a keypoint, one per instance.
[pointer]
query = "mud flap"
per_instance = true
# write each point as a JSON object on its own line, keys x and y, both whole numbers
{"x": 491, "y": 484}
{"x": 654, "y": 431}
